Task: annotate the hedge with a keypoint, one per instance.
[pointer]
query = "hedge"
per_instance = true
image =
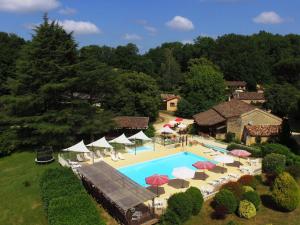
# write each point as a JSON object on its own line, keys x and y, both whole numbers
{"x": 225, "y": 199}
{"x": 170, "y": 218}
{"x": 285, "y": 192}
{"x": 253, "y": 197}
{"x": 255, "y": 152}
{"x": 181, "y": 204}
{"x": 65, "y": 199}
{"x": 246, "y": 209}
{"x": 196, "y": 198}
{"x": 273, "y": 163}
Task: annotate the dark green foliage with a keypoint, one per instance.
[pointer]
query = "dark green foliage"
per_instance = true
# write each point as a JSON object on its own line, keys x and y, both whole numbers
{"x": 170, "y": 218}
{"x": 294, "y": 170}
{"x": 273, "y": 163}
{"x": 255, "y": 152}
{"x": 65, "y": 200}
{"x": 73, "y": 210}
{"x": 150, "y": 132}
{"x": 229, "y": 137}
{"x": 235, "y": 187}
{"x": 285, "y": 192}
{"x": 253, "y": 197}
{"x": 185, "y": 109}
{"x": 225, "y": 198}
{"x": 287, "y": 70}
{"x": 232, "y": 223}
{"x": 196, "y": 199}
{"x": 248, "y": 180}
{"x": 181, "y": 204}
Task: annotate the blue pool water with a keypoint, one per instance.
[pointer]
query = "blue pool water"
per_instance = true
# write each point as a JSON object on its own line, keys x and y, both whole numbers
{"x": 140, "y": 149}
{"x": 163, "y": 166}
{"x": 220, "y": 149}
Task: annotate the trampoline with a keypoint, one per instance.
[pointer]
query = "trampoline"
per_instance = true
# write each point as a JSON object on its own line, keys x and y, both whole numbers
{"x": 44, "y": 155}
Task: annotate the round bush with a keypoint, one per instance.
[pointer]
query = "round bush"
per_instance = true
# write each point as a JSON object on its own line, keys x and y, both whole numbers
{"x": 225, "y": 199}
{"x": 273, "y": 163}
{"x": 196, "y": 198}
{"x": 170, "y": 218}
{"x": 285, "y": 192}
{"x": 181, "y": 204}
{"x": 246, "y": 209}
{"x": 247, "y": 189}
{"x": 253, "y": 197}
{"x": 248, "y": 180}
{"x": 235, "y": 188}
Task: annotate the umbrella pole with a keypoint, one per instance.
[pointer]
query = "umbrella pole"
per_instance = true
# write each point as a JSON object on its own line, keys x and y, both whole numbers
{"x": 135, "y": 146}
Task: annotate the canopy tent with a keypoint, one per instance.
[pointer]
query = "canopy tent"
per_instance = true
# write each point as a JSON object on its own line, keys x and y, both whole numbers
{"x": 79, "y": 147}
{"x": 122, "y": 139}
{"x": 101, "y": 143}
{"x": 140, "y": 136}
{"x": 167, "y": 130}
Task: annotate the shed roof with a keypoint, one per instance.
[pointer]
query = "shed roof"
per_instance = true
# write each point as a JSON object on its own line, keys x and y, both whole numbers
{"x": 168, "y": 97}
{"x": 115, "y": 186}
{"x": 132, "y": 122}
{"x": 233, "y": 108}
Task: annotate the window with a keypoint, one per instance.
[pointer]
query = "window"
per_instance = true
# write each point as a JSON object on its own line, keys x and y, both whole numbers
{"x": 172, "y": 104}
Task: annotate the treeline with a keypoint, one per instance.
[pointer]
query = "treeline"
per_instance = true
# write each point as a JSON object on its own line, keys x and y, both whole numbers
{"x": 54, "y": 93}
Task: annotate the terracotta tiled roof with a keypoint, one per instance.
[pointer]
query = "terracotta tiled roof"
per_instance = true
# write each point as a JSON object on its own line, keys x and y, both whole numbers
{"x": 168, "y": 97}
{"x": 235, "y": 83}
{"x": 132, "y": 122}
{"x": 249, "y": 96}
{"x": 208, "y": 118}
{"x": 233, "y": 108}
{"x": 262, "y": 130}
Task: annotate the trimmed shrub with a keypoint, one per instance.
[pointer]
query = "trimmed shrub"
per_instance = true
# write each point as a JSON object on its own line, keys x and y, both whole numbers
{"x": 170, "y": 218}
{"x": 255, "y": 152}
{"x": 246, "y": 209}
{"x": 253, "y": 197}
{"x": 248, "y": 180}
{"x": 229, "y": 137}
{"x": 273, "y": 163}
{"x": 225, "y": 199}
{"x": 74, "y": 209}
{"x": 285, "y": 192}
{"x": 65, "y": 200}
{"x": 235, "y": 188}
{"x": 196, "y": 198}
{"x": 247, "y": 189}
{"x": 180, "y": 204}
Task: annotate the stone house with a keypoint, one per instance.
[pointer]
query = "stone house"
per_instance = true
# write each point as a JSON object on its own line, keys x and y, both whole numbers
{"x": 170, "y": 102}
{"x": 250, "y": 97}
{"x": 234, "y": 117}
{"x": 236, "y": 86}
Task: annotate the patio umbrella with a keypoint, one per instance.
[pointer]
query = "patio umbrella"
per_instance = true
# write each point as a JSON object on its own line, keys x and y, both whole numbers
{"x": 167, "y": 125}
{"x": 173, "y": 123}
{"x": 183, "y": 173}
{"x": 240, "y": 153}
{"x": 223, "y": 159}
{"x": 181, "y": 126}
{"x": 178, "y": 119}
{"x": 157, "y": 180}
{"x": 204, "y": 165}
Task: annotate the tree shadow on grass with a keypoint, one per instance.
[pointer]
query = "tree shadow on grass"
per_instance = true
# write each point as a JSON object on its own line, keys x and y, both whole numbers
{"x": 268, "y": 202}
{"x": 219, "y": 212}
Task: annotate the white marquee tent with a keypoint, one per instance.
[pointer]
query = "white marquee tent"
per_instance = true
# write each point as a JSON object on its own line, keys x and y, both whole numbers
{"x": 122, "y": 139}
{"x": 140, "y": 136}
{"x": 79, "y": 147}
{"x": 167, "y": 130}
{"x": 101, "y": 143}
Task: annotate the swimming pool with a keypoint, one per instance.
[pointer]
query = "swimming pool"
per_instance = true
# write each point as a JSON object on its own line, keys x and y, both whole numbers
{"x": 140, "y": 149}
{"x": 220, "y": 149}
{"x": 164, "y": 166}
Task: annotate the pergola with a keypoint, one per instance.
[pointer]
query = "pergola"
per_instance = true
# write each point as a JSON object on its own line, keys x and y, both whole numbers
{"x": 118, "y": 193}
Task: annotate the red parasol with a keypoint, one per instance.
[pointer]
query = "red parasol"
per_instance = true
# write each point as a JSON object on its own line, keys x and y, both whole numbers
{"x": 167, "y": 125}
{"x": 204, "y": 165}
{"x": 178, "y": 119}
{"x": 240, "y": 153}
{"x": 157, "y": 180}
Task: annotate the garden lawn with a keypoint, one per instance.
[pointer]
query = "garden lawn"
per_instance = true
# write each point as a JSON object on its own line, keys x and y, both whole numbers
{"x": 265, "y": 215}
{"x": 20, "y": 201}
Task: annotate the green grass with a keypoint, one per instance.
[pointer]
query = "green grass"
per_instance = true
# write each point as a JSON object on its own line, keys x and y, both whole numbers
{"x": 21, "y": 204}
{"x": 265, "y": 215}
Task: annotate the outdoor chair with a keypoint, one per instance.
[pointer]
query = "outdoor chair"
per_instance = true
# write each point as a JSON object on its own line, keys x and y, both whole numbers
{"x": 98, "y": 154}
{"x": 87, "y": 156}
{"x": 107, "y": 153}
{"x": 120, "y": 156}
{"x": 114, "y": 157}
{"x": 136, "y": 216}
{"x": 79, "y": 158}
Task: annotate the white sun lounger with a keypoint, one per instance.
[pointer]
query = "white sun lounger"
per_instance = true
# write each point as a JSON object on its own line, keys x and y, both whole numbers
{"x": 106, "y": 153}
{"x": 87, "y": 156}
{"x": 120, "y": 156}
{"x": 234, "y": 175}
{"x": 79, "y": 158}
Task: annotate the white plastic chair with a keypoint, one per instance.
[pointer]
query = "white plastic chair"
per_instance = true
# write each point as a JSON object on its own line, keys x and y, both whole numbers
{"x": 120, "y": 156}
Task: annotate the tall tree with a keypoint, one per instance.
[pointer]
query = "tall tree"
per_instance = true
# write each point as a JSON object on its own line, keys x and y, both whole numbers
{"x": 41, "y": 109}
{"x": 204, "y": 85}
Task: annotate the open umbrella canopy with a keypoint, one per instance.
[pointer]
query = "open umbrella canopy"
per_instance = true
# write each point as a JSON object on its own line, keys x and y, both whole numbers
{"x": 183, "y": 173}
{"x": 79, "y": 147}
{"x": 178, "y": 119}
{"x": 122, "y": 139}
{"x": 172, "y": 122}
{"x": 204, "y": 165}
{"x": 101, "y": 143}
{"x": 182, "y": 126}
{"x": 140, "y": 136}
{"x": 157, "y": 180}
{"x": 167, "y": 130}
{"x": 167, "y": 125}
{"x": 224, "y": 159}
{"x": 240, "y": 153}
